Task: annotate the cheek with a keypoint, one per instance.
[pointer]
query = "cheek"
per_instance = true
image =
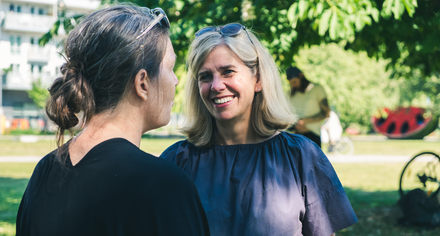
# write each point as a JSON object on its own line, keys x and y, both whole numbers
{"x": 204, "y": 90}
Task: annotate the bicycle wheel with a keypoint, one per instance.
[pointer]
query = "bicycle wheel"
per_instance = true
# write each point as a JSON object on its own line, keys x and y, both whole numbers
{"x": 344, "y": 147}
{"x": 422, "y": 171}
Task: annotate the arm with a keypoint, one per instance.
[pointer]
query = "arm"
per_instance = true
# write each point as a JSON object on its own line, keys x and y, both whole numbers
{"x": 323, "y": 113}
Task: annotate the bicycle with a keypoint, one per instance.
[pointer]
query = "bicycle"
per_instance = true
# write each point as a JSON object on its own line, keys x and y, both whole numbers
{"x": 422, "y": 171}
{"x": 343, "y": 147}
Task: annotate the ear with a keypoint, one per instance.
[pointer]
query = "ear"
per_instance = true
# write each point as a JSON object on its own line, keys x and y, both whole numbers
{"x": 142, "y": 84}
{"x": 258, "y": 87}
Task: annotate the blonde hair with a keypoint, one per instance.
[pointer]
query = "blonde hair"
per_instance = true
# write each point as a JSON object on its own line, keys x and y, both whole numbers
{"x": 270, "y": 108}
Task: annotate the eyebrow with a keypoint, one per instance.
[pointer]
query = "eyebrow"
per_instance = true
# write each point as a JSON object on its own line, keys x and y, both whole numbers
{"x": 221, "y": 68}
{"x": 226, "y": 67}
{"x": 206, "y": 72}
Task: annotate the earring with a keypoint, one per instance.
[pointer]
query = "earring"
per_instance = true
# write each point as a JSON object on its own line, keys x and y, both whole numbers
{"x": 258, "y": 89}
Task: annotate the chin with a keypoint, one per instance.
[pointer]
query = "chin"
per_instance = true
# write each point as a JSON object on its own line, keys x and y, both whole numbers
{"x": 223, "y": 117}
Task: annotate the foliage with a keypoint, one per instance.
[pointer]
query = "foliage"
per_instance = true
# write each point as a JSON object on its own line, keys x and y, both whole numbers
{"x": 422, "y": 93}
{"x": 38, "y": 94}
{"x": 286, "y": 26}
{"x": 63, "y": 25}
{"x": 357, "y": 86}
{"x": 403, "y": 32}
{"x": 179, "y": 97}
{"x": 7, "y": 70}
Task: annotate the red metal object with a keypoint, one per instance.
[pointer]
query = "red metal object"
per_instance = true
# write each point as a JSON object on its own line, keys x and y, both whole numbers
{"x": 405, "y": 123}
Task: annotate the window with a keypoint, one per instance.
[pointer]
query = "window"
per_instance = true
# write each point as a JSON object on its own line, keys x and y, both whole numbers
{"x": 32, "y": 10}
{"x": 32, "y": 41}
{"x": 11, "y": 7}
{"x": 18, "y": 8}
{"x": 40, "y": 68}
{"x": 40, "y": 11}
{"x": 15, "y": 43}
{"x": 15, "y": 68}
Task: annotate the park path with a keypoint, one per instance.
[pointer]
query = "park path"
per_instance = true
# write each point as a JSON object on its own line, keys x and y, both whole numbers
{"x": 332, "y": 158}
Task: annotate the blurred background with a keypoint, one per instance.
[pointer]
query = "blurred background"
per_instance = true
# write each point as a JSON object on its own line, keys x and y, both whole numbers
{"x": 379, "y": 61}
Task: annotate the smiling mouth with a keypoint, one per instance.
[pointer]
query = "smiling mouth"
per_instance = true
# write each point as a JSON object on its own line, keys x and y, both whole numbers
{"x": 222, "y": 100}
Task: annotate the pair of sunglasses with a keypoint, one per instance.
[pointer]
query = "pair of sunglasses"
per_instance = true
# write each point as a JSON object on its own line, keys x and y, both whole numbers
{"x": 160, "y": 17}
{"x": 229, "y": 30}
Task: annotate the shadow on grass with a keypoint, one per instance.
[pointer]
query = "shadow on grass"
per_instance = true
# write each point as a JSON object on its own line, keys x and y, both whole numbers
{"x": 379, "y": 214}
{"x": 11, "y": 191}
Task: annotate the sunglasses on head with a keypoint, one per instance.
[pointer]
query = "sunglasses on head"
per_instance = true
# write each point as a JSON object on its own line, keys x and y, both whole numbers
{"x": 160, "y": 17}
{"x": 229, "y": 30}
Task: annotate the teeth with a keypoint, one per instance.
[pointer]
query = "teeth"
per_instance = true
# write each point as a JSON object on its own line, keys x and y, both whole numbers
{"x": 222, "y": 100}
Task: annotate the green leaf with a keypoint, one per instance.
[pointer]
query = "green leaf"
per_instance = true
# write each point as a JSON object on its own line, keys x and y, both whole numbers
{"x": 398, "y": 9}
{"x": 38, "y": 94}
{"x": 324, "y": 22}
{"x": 319, "y": 8}
{"x": 410, "y": 8}
{"x": 45, "y": 39}
{"x": 292, "y": 14}
{"x": 359, "y": 22}
{"x": 303, "y": 6}
{"x": 386, "y": 7}
{"x": 311, "y": 14}
{"x": 55, "y": 27}
{"x": 333, "y": 26}
{"x": 179, "y": 4}
{"x": 375, "y": 14}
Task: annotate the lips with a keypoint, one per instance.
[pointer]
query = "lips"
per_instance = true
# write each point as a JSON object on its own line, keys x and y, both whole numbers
{"x": 222, "y": 100}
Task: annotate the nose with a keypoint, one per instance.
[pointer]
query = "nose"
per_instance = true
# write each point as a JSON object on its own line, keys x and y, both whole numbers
{"x": 217, "y": 83}
{"x": 176, "y": 80}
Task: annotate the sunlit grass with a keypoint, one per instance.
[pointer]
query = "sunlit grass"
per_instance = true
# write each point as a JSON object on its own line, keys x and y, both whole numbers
{"x": 42, "y": 147}
{"x": 373, "y": 193}
{"x": 13, "y": 181}
{"x": 372, "y": 187}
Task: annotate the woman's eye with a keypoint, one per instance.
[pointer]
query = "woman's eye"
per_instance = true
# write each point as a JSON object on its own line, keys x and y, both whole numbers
{"x": 204, "y": 77}
{"x": 227, "y": 72}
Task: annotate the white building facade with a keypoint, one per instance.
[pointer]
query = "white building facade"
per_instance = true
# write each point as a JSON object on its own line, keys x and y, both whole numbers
{"x": 22, "y": 60}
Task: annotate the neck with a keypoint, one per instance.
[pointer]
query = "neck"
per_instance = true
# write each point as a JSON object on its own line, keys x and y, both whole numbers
{"x": 236, "y": 132}
{"x": 108, "y": 125}
{"x": 117, "y": 123}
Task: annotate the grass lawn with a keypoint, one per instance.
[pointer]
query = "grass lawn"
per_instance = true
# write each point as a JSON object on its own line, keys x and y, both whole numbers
{"x": 373, "y": 193}
{"x": 41, "y": 148}
{"x": 13, "y": 181}
{"x": 371, "y": 187}
{"x": 156, "y": 147}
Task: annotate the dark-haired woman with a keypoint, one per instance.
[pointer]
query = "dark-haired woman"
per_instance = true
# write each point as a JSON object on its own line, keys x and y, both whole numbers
{"x": 310, "y": 103}
{"x": 119, "y": 75}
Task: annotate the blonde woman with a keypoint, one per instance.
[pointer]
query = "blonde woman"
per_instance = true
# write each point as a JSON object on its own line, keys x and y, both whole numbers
{"x": 253, "y": 179}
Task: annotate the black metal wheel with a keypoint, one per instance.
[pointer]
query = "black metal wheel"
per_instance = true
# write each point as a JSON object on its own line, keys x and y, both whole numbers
{"x": 422, "y": 171}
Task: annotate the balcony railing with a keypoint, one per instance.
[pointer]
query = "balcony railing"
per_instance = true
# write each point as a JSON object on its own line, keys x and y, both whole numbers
{"x": 38, "y": 54}
{"x": 17, "y": 81}
{"x": 28, "y": 22}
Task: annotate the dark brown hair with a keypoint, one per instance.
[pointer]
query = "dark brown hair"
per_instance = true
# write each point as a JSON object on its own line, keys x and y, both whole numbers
{"x": 295, "y": 72}
{"x": 102, "y": 59}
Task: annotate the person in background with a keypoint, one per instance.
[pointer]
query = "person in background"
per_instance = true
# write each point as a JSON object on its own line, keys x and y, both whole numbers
{"x": 253, "y": 178}
{"x": 119, "y": 76}
{"x": 309, "y": 100}
{"x": 332, "y": 126}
